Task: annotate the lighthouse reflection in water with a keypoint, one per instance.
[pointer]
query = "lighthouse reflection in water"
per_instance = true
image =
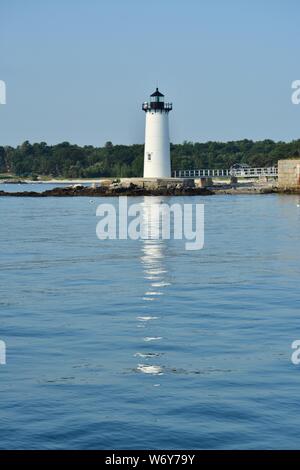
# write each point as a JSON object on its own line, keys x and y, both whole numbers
{"x": 157, "y": 280}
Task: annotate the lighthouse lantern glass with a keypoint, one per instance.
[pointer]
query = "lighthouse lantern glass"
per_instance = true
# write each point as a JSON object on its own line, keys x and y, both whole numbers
{"x": 157, "y": 99}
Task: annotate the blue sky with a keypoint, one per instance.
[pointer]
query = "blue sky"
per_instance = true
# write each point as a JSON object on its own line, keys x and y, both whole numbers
{"x": 79, "y": 70}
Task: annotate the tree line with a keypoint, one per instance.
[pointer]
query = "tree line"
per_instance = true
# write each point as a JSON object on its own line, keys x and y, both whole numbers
{"x": 72, "y": 161}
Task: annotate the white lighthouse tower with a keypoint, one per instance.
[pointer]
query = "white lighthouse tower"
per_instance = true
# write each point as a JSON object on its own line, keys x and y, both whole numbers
{"x": 157, "y": 162}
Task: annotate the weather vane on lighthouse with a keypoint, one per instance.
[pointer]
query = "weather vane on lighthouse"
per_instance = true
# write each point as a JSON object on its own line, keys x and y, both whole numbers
{"x": 157, "y": 162}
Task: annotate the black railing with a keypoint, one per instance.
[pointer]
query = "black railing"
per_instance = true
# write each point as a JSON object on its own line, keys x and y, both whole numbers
{"x": 153, "y": 106}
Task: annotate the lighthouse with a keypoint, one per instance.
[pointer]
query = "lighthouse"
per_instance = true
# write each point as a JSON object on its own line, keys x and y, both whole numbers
{"x": 157, "y": 162}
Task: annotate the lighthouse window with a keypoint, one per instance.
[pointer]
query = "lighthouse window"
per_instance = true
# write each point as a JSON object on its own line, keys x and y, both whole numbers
{"x": 149, "y": 156}
{"x": 157, "y": 99}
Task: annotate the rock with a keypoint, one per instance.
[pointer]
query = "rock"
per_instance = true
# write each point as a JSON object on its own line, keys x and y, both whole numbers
{"x": 112, "y": 190}
{"x": 203, "y": 182}
{"x": 188, "y": 183}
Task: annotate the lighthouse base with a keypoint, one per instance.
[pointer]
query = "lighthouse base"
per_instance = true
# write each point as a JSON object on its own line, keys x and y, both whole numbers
{"x": 157, "y": 183}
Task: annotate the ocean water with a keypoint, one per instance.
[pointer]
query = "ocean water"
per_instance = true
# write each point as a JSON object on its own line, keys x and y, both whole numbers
{"x": 142, "y": 344}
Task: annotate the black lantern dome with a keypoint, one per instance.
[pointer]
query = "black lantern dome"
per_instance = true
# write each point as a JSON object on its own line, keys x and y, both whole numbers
{"x": 157, "y": 100}
{"x": 157, "y": 103}
{"x": 157, "y": 93}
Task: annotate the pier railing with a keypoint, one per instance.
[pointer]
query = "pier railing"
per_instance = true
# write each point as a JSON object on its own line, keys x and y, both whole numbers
{"x": 241, "y": 172}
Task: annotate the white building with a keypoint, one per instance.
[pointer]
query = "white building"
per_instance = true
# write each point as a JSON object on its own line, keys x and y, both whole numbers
{"x": 157, "y": 162}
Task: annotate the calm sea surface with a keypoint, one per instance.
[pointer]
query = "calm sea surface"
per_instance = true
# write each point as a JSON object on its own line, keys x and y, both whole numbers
{"x": 142, "y": 344}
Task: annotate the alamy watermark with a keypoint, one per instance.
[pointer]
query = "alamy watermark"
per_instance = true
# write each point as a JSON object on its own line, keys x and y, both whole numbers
{"x": 295, "y": 97}
{"x": 152, "y": 221}
{"x": 2, "y": 92}
{"x": 2, "y": 353}
{"x": 295, "y": 357}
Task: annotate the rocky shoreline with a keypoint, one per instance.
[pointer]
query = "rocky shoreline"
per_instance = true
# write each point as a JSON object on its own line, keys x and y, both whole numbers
{"x": 116, "y": 190}
{"x": 104, "y": 191}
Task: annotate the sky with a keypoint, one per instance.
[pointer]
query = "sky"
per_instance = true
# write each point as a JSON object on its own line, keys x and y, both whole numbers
{"x": 79, "y": 70}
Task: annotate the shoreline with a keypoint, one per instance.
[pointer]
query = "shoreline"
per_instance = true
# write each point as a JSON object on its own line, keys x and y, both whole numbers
{"x": 149, "y": 187}
{"x": 85, "y": 191}
{"x": 51, "y": 181}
